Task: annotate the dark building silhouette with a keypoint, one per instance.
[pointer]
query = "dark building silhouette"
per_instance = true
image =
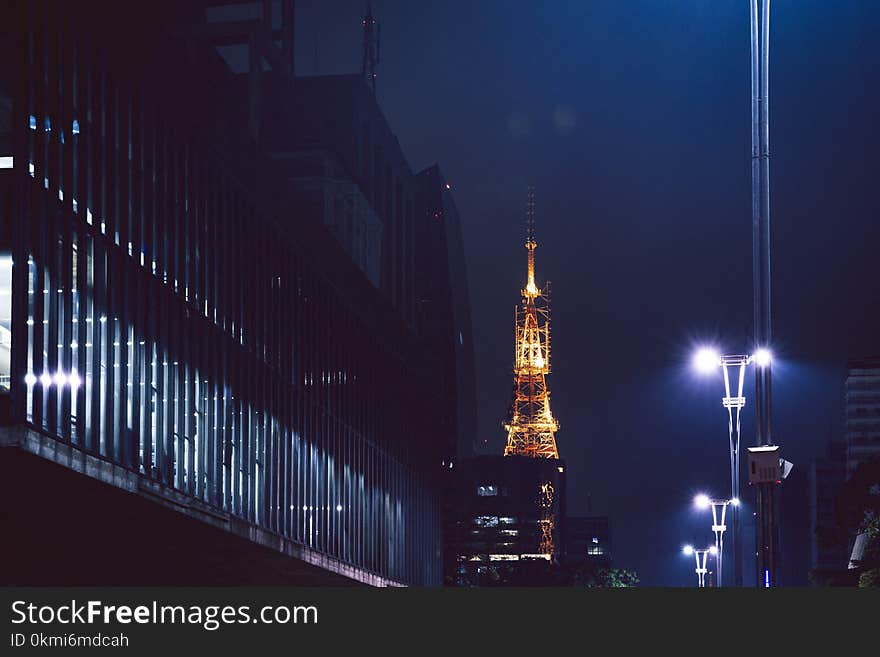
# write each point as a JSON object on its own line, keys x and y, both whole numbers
{"x": 193, "y": 325}
{"x": 829, "y": 553}
{"x": 443, "y": 309}
{"x": 497, "y": 519}
{"x": 588, "y": 542}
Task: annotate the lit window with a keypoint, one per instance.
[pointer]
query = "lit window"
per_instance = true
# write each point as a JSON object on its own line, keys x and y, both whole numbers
{"x": 47, "y": 125}
{"x": 75, "y": 127}
{"x": 507, "y": 520}
{"x": 595, "y": 539}
{"x": 486, "y": 521}
{"x": 32, "y": 122}
{"x": 487, "y": 491}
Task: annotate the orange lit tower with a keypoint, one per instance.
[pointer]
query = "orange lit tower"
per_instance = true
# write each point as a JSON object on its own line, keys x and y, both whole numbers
{"x": 531, "y": 427}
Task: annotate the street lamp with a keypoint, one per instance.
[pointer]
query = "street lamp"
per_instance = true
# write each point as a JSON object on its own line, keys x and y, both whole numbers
{"x": 700, "y": 556}
{"x": 719, "y": 513}
{"x": 706, "y": 360}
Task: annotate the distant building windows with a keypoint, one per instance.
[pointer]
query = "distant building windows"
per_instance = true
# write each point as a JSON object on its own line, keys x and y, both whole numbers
{"x": 32, "y": 122}
{"x": 487, "y": 490}
{"x": 75, "y": 127}
{"x": 486, "y": 521}
{"x": 507, "y": 520}
{"x": 47, "y": 124}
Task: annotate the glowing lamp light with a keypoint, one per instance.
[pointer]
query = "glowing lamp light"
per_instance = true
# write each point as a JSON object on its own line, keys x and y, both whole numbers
{"x": 713, "y": 550}
{"x": 30, "y": 379}
{"x": 46, "y": 379}
{"x": 706, "y": 360}
{"x": 74, "y": 380}
{"x": 735, "y": 501}
{"x": 60, "y": 378}
{"x": 701, "y": 501}
{"x": 688, "y": 550}
{"x": 762, "y": 357}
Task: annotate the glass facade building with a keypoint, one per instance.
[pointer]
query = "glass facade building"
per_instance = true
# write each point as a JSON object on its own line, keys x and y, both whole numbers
{"x": 160, "y": 312}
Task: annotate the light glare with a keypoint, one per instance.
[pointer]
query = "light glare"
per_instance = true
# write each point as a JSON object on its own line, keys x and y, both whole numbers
{"x": 762, "y": 357}
{"x": 701, "y": 501}
{"x": 688, "y": 549}
{"x": 706, "y": 360}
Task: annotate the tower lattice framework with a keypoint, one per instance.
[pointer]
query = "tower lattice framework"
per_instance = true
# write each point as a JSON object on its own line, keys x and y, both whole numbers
{"x": 531, "y": 427}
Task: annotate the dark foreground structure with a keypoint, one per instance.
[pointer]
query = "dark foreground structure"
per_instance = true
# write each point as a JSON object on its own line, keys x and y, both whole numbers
{"x": 505, "y": 521}
{"x": 199, "y": 385}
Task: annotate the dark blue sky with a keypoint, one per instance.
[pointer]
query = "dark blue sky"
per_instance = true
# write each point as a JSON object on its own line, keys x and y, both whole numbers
{"x": 631, "y": 119}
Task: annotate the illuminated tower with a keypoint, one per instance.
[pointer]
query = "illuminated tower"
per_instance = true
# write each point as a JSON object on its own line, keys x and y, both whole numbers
{"x": 531, "y": 427}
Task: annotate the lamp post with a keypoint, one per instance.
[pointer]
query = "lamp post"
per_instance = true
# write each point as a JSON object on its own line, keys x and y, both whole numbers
{"x": 706, "y": 360}
{"x": 719, "y": 526}
{"x": 701, "y": 556}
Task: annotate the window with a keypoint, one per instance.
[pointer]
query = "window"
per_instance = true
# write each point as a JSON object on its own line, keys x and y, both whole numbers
{"x": 486, "y": 521}
{"x": 486, "y": 490}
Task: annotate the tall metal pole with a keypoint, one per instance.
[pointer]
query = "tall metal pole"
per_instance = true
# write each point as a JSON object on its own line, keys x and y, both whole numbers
{"x": 760, "y": 51}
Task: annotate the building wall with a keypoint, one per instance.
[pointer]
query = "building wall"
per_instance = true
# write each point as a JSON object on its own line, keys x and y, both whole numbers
{"x": 340, "y": 114}
{"x": 167, "y": 321}
{"x": 444, "y": 312}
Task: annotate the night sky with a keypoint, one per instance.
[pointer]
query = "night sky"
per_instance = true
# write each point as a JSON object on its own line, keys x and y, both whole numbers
{"x": 631, "y": 119}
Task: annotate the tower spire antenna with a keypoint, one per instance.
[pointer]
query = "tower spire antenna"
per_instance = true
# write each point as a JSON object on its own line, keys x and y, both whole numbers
{"x": 531, "y": 289}
{"x": 371, "y": 47}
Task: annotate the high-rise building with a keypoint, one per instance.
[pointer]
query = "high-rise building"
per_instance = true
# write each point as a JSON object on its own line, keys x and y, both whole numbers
{"x": 862, "y": 411}
{"x": 588, "y": 541}
{"x": 443, "y": 309}
{"x": 829, "y": 553}
{"x": 497, "y": 532}
{"x": 183, "y": 348}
